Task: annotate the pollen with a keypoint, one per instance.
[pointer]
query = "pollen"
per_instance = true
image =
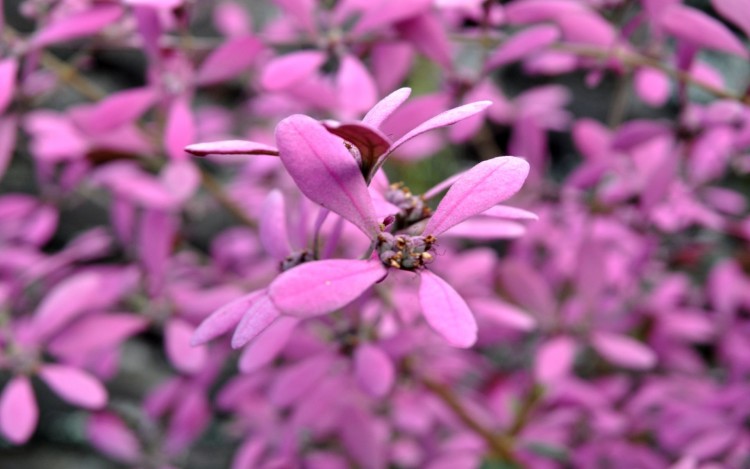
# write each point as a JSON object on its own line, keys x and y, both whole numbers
{"x": 405, "y": 252}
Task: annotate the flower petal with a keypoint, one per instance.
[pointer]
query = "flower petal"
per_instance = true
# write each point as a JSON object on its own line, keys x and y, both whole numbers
{"x": 272, "y": 227}
{"x": 19, "y": 413}
{"x": 624, "y": 351}
{"x": 701, "y": 30}
{"x": 554, "y": 359}
{"x": 355, "y": 87}
{"x": 297, "y": 380}
{"x": 110, "y": 435}
{"x": 446, "y": 312}
{"x": 224, "y": 318}
{"x": 385, "y": 107}
{"x": 283, "y": 72}
{"x": 321, "y": 287}
{"x": 68, "y": 299}
{"x": 74, "y": 386}
{"x": 8, "y": 71}
{"x": 374, "y": 370}
{"x": 229, "y": 60}
{"x": 77, "y": 25}
{"x": 260, "y": 315}
{"x": 325, "y": 171}
{"x": 231, "y": 147}
{"x": 182, "y": 356}
{"x": 268, "y": 344}
{"x": 485, "y": 185}
{"x": 522, "y": 45}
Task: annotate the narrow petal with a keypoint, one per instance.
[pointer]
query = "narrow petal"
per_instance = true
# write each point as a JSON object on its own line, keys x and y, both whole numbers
{"x": 510, "y": 213}
{"x": 325, "y": 171}
{"x": 67, "y": 300}
{"x": 734, "y": 11}
{"x": 370, "y": 142}
{"x": 295, "y": 381}
{"x": 179, "y": 130}
{"x": 231, "y": 147}
{"x": 554, "y": 359}
{"x": 485, "y": 185}
{"x": 110, "y": 435}
{"x": 446, "y": 312}
{"x": 229, "y": 60}
{"x": 283, "y": 72}
{"x": 321, "y": 287}
{"x": 115, "y": 110}
{"x": 95, "y": 333}
{"x": 696, "y": 27}
{"x": 624, "y": 351}
{"x": 78, "y": 25}
{"x": 485, "y": 228}
{"x": 8, "y": 71}
{"x": 74, "y": 386}
{"x": 272, "y": 227}
{"x": 523, "y": 44}
{"x": 182, "y": 356}
{"x": 355, "y": 87}
{"x": 264, "y": 348}
{"x": 385, "y": 107}
{"x": 443, "y": 119}
{"x": 374, "y": 370}
{"x": 224, "y": 319}
{"x": 260, "y": 315}
{"x": 8, "y": 133}
{"x": 19, "y": 413}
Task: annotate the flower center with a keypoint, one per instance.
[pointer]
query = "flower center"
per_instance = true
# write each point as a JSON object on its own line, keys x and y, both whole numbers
{"x": 296, "y": 258}
{"x": 405, "y": 252}
{"x": 412, "y": 207}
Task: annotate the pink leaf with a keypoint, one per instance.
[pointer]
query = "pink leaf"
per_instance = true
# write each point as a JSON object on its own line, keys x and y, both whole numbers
{"x": 325, "y": 171}
{"x": 285, "y": 71}
{"x": 74, "y": 386}
{"x": 272, "y": 230}
{"x": 355, "y": 87}
{"x": 229, "y": 60}
{"x": 225, "y": 318}
{"x": 374, "y": 370}
{"x": 734, "y": 11}
{"x": 8, "y": 71}
{"x": 182, "y": 356}
{"x": 18, "y": 410}
{"x": 523, "y": 44}
{"x": 699, "y": 29}
{"x": 385, "y": 107}
{"x": 446, "y": 312}
{"x": 78, "y": 25}
{"x": 68, "y": 299}
{"x": 110, "y": 435}
{"x": 321, "y": 287}
{"x": 8, "y": 133}
{"x": 179, "y": 130}
{"x": 260, "y": 315}
{"x": 231, "y": 147}
{"x": 554, "y": 359}
{"x": 267, "y": 345}
{"x": 486, "y": 184}
{"x": 443, "y": 119}
{"x": 624, "y": 351}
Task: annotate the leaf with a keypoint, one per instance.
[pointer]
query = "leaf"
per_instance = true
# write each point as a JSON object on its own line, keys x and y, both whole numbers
{"x": 322, "y": 287}
{"x": 446, "y": 312}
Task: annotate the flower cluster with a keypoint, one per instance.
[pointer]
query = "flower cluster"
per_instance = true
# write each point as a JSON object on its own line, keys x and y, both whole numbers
{"x": 281, "y": 234}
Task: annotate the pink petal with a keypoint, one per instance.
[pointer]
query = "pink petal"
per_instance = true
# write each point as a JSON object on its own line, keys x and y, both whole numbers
{"x": 522, "y": 45}
{"x": 118, "y": 109}
{"x": 624, "y": 351}
{"x": 554, "y": 359}
{"x": 93, "y": 334}
{"x": 386, "y": 12}
{"x": 701, "y": 30}
{"x": 390, "y": 63}
{"x": 267, "y": 345}
{"x": 355, "y": 87}
{"x": 74, "y": 386}
{"x": 18, "y": 410}
{"x": 225, "y": 318}
{"x": 295, "y": 381}
{"x": 587, "y": 27}
{"x": 77, "y": 25}
{"x": 260, "y": 315}
{"x": 429, "y": 37}
{"x": 272, "y": 227}
{"x": 301, "y": 12}
{"x": 502, "y": 313}
{"x": 232, "y": 19}
{"x": 325, "y": 171}
{"x": 229, "y": 60}
{"x": 510, "y": 213}
{"x": 370, "y": 142}
{"x": 110, "y": 435}
{"x": 231, "y": 147}
{"x": 8, "y": 71}
{"x": 179, "y": 130}
{"x": 385, "y": 107}
{"x": 443, "y": 119}
{"x": 653, "y": 86}
{"x": 8, "y": 133}
{"x": 446, "y": 312}
{"x": 283, "y": 72}
{"x": 182, "y": 356}
{"x": 486, "y": 184}
{"x": 485, "y": 228}
{"x": 374, "y": 370}
{"x": 68, "y": 299}
{"x": 534, "y": 11}
{"x": 181, "y": 178}
{"x": 321, "y": 287}
{"x": 734, "y": 11}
